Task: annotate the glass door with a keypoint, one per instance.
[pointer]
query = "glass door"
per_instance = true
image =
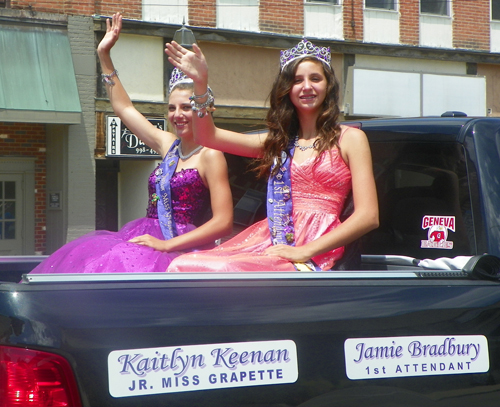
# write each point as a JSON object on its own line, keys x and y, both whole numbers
{"x": 11, "y": 214}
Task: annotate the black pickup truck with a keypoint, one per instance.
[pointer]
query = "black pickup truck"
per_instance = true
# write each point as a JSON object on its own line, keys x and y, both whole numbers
{"x": 416, "y": 324}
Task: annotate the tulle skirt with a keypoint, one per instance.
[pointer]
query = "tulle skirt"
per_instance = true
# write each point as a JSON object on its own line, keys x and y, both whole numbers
{"x": 103, "y": 251}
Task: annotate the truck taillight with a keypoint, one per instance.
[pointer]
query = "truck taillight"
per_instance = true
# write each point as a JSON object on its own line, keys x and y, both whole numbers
{"x": 36, "y": 379}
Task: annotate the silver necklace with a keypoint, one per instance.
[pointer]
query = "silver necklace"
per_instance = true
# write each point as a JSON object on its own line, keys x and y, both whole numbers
{"x": 302, "y": 148}
{"x": 185, "y": 157}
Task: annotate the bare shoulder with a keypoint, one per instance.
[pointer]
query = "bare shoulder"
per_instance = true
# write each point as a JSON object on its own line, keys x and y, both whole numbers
{"x": 351, "y": 135}
{"x": 353, "y": 144}
{"x": 212, "y": 155}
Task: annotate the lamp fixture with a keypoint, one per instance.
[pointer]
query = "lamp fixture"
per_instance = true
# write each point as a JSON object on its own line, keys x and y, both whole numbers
{"x": 184, "y": 36}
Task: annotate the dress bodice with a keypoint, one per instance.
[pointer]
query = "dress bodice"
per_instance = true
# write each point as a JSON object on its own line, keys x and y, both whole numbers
{"x": 321, "y": 186}
{"x": 189, "y": 196}
{"x": 319, "y": 190}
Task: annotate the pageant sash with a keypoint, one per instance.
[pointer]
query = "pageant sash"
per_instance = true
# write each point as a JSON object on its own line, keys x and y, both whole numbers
{"x": 280, "y": 207}
{"x": 279, "y": 201}
{"x": 164, "y": 174}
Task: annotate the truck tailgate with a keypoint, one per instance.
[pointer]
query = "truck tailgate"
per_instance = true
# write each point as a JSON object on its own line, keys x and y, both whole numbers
{"x": 154, "y": 319}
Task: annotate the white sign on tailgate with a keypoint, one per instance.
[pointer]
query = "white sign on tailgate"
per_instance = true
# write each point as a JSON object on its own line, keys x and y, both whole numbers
{"x": 172, "y": 369}
{"x": 404, "y": 356}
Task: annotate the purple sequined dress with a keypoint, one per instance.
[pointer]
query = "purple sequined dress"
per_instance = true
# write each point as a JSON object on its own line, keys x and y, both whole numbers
{"x": 110, "y": 252}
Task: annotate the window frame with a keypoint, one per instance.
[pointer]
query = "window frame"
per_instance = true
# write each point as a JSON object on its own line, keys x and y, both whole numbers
{"x": 324, "y": 2}
{"x": 430, "y": 13}
{"x": 497, "y": 7}
{"x": 394, "y": 4}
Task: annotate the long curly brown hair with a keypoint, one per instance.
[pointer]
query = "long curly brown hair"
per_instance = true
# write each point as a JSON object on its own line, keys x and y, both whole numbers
{"x": 282, "y": 119}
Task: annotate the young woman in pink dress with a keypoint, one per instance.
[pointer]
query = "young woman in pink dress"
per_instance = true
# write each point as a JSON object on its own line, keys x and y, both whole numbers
{"x": 312, "y": 162}
{"x": 190, "y": 179}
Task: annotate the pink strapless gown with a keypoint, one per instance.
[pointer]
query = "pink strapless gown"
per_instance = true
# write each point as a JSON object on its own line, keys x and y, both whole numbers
{"x": 318, "y": 193}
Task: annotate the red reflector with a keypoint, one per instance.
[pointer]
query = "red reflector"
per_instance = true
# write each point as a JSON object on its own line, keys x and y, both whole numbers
{"x": 36, "y": 379}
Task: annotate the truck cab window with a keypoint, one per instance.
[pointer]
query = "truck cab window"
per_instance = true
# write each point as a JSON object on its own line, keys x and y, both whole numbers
{"x": 424, "y": 202}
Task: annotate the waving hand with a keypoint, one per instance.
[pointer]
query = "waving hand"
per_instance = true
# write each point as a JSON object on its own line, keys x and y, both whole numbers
{"x": 113, "y": 29}
{"x": 192, "y": 63}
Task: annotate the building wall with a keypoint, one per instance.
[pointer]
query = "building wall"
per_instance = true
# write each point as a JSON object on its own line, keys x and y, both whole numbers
{"x": 287, "y": 18}
{"x": 81, "y": 138}
{"x": 130, "y": 8}
{"x": 492, "y": 74}
{"x": 248, "y": 87}
{"x": 381, "y": 26}
{"x": 471, "y": 25}
{"x": 28, "y": 140}
{"x": 353, "y": 20}
{"x": 323, "y": 20}
{"x": 409, "y": 22}
{"x": 202, "y": 13}
{"x": 248, "y": 60}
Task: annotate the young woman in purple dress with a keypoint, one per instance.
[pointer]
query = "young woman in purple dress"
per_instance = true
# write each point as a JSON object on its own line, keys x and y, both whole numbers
{"x": 312, "y": 161}
{"x": 189, "y": 179}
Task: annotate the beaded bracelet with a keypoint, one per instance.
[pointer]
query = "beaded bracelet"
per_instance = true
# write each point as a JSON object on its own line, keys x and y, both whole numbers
{"x": 202, "y": 108}
{"x": 106, "y": 77}
{"x": 209, "y": 91}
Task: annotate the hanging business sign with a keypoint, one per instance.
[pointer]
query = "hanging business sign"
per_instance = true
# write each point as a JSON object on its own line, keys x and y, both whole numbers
{"x": 121, "y": 142}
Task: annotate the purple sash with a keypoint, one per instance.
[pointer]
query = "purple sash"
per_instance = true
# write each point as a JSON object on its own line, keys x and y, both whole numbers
{"x": 279, "y": 202}
{"x": 280, "y": 207}
{"x": 164, "y": 174}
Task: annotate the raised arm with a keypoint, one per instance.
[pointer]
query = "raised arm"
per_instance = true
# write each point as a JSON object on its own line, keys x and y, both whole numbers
{"x": 194, "y": 65}
{"x": 357, "y": 155}
{"x": 120, "y": 101}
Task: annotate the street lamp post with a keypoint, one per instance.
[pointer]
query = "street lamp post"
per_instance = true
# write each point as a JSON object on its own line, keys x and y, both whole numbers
{"x": 185, "y": 37}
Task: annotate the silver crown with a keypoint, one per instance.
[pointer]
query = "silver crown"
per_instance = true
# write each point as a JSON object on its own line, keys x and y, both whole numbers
{"x": 176, "y": 78}
{"x": 303, "y": 49}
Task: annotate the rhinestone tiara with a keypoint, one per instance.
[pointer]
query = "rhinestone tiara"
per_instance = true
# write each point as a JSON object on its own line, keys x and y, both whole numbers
{"x": 176, "y": 78}
{"x": 303, "y": 49}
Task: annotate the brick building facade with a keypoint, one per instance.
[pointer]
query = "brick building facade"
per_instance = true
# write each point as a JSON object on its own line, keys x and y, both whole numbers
{"x": 378, "y": 50}
{"x": 28, "y": 140}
